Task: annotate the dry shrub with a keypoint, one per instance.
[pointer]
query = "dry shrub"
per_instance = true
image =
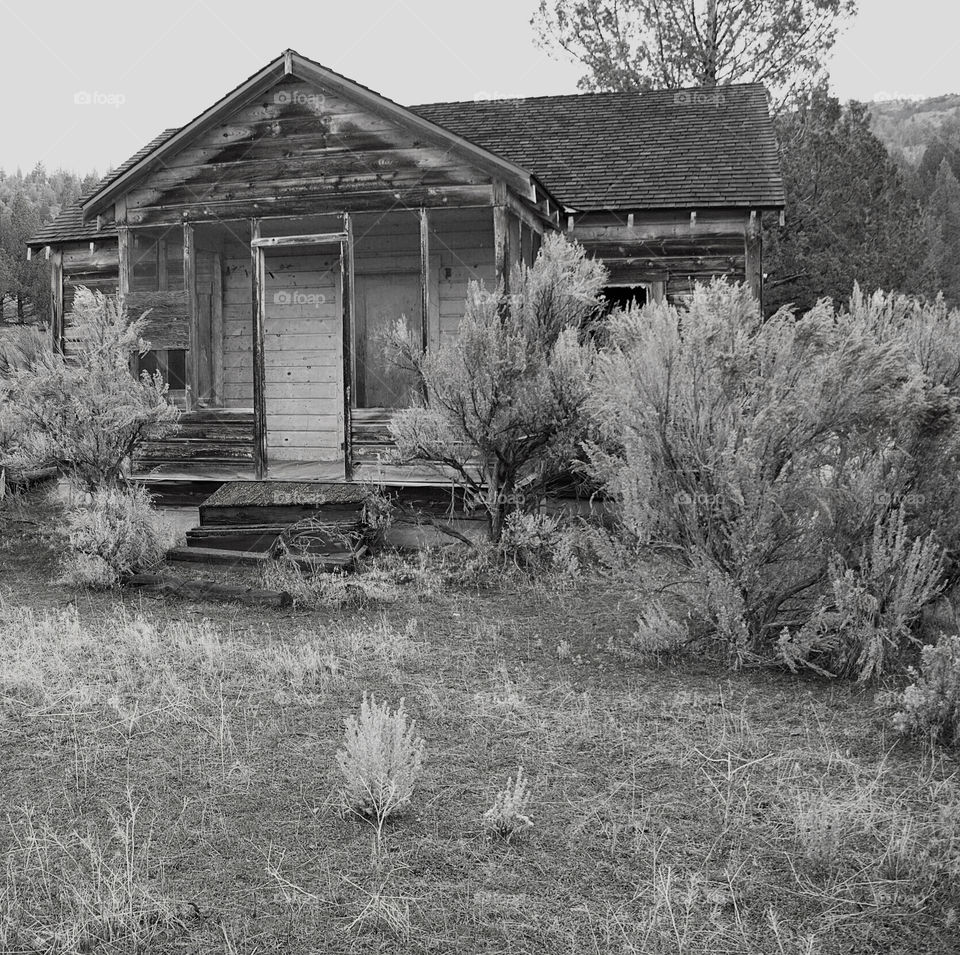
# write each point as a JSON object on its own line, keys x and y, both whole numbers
{"x": 507, "y": 818}
{"x": 659, "y": 634}
{"x": 931, "y": 703}
{"x": 87, "y": 403}
{"x": 765, "y": 453}
{"x": 380, "y": 761}
{"x": 504, "y": 399}
{"x": 112, "y": 535}
{"x": 867, "y": 621}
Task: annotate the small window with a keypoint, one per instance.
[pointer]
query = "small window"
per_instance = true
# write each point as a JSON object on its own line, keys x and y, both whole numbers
{"x": 171, "y": 363}
{"x": 622, "y": 296}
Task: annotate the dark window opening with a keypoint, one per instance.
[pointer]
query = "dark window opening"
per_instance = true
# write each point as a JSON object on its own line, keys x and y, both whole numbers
{"x": 621, "y": 296}
{"x": 172, "y": 364}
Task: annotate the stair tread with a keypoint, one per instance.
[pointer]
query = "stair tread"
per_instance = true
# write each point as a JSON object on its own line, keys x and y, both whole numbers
{"x": 217, "y": 555}
{"x": 214, "y": 555}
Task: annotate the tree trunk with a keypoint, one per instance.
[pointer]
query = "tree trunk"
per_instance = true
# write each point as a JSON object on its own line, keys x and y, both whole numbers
{"x": 710, "y": 39}
{"x": 499, "y": 489}
{"x": 20, "y": 306}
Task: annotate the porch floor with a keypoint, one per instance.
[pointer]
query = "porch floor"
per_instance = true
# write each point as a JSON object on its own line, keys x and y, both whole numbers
{"x": 320, "y": 472}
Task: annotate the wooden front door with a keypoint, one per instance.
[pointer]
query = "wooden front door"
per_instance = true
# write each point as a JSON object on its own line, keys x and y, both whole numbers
{"x": 303, "y": 355}
{"x": 382, "y": 299}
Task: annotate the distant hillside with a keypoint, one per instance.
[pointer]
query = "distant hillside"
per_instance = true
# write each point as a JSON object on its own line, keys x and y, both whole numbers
{"x": 907, "y": 127}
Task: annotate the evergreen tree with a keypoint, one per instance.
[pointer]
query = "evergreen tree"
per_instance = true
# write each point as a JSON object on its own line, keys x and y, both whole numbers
{"x": 942, "y": 221}
{"x": 849, "y": 218}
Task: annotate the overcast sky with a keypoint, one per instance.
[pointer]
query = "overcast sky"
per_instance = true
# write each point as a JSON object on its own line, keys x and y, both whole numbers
{"x": 144, "y": 67}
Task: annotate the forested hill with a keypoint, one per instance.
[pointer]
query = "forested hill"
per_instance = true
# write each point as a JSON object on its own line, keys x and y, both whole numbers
{"x": 909, "y": 127}
{"x": 26, "y": 202}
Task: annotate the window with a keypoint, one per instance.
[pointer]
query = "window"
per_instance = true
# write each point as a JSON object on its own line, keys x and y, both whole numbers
{"x": 621, "y": 296}
{"x": 172, "y": 365}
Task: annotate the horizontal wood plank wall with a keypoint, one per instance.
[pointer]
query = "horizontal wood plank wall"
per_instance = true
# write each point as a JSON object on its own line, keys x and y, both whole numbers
{"x": 669, "y": 250}
{"x": 303, "y": 356}
{"x": 206, "y": 440}
{"x": 463, "y": 244}
{"x": 98, "y": 270}
{"x": 237, "y": 327}
{"x": 295, "y": 147}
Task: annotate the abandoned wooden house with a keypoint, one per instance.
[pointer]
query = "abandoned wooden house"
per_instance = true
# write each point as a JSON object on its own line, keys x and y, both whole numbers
{"x": 277, "y": 234}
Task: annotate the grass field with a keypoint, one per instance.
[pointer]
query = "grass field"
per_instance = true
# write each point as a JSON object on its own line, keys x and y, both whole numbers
{"x": 168, "y": 781}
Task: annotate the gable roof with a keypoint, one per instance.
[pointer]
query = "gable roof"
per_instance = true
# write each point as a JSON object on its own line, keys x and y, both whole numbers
{"x": 659, "y": 149}
{"x": 68, "y": 225}
{"x": 291, "y": 63}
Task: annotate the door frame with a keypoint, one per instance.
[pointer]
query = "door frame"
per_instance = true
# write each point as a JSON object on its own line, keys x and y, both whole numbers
{"x": 259, "y": 246}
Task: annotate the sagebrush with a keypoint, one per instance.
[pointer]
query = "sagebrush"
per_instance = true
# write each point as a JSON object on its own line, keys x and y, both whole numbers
{"x": 380, "y": 761}
{"x": 113, "y": 533}
{"x": 88, "y": 404}
{"x": 503, "y": 402}
{"x": 765, "y": 455}
{"x": 507, "y": 818}
{"x": 930, "y": 705}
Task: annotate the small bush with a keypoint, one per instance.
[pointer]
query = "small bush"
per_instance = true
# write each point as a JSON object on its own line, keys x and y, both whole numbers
{"x": 316, "y": 588}
{"x": 659, "y": 634}
{"x": 94, "y": 412}
{"x": 506, "y": 818}
{"x": 380, "y": 760}
{"x": 114, "y": 534}
{"x": 539, "y": 542}
{"x": 931, "y": 704}
{"x": 503, "y": 403}
{"x": 867, "y": 623}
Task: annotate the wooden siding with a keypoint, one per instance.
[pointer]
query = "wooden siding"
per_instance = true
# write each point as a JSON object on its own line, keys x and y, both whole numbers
{"x": 462, "y": 241}
{"x": 207, "y": 440}
{"x": 671, "y": 250}
{"x": 98, "y": 270}
{"x": 297, "y": 147}
{"x": 237, "y": 327}
{"x": 303, "y": 356}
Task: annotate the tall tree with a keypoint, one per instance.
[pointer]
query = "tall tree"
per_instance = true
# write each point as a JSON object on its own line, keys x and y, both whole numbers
{"x": 942, "y": 219}
{"x": 26, "y": 202}
{"x": 665, "y": 44}
{"x": 850, "y": 217}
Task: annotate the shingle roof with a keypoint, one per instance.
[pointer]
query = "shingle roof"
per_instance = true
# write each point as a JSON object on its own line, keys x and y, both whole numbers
{"x": 658, "y": 149}
{"x": 655, "y": 150}
{"x": 68, "y": 226}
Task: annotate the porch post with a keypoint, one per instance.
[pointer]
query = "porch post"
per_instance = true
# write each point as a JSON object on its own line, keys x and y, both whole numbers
{"x": 259, "y": 397}
{"x": 193, "y": 310}
{"x": 753, "y": 256}
{"x": 501, "y": 236}
{"x": 425, "y": 276}
{"x": 347, "y": 323}
{"x": 56, "y": 299}
{"x": 125, "y": 266}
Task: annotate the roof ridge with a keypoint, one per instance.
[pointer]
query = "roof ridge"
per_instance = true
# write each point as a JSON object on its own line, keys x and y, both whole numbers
{"x": 585, "y": 94}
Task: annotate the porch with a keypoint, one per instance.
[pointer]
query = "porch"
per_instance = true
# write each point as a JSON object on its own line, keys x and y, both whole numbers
{"x": 271, "y": 333}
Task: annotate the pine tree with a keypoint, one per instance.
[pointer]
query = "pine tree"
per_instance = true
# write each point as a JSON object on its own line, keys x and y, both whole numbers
{"x": 942, "y": 221}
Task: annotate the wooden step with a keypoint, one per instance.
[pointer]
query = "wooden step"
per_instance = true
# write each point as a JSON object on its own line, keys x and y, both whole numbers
{"x": 252, "y": 538}
{"x": 282, "y": 502}
{"x": 216, "y": 555}
{"x": 344, "y": 561}
{"x": 317, "y": 537}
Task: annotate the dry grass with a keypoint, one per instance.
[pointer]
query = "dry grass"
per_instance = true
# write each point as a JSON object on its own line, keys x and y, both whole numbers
{"x": 169, "y": 778}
